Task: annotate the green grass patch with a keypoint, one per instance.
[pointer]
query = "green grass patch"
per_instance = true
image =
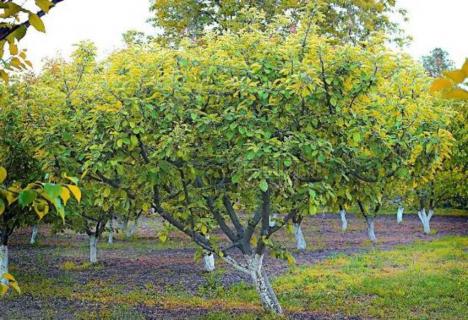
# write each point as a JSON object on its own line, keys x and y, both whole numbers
{"x": 426, "y": 280}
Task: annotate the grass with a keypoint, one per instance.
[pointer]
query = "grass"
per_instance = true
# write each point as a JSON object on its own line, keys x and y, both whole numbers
{"x": 425, "y": 280}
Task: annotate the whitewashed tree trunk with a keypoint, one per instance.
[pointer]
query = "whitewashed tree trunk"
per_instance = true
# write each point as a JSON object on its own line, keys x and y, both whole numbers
{"x": 300, "y": 241}
{"x": 3, "y": 263}
{"x": 344, "y": 222}
{"x": 262, "y": 284}
{"x": 209, "y": 262}
{"x": 272, "y": 220}
{"x": 93, "y": 249}
{"x": 400, "y": 214}
{"x": 124, "y": 226}
{"x": 426, "y": 219}
{"x": 35, "y": 230}
{"x": 110, "y": 239}
{"x": 371, "y": 229}
{"x": 130, "y": 231}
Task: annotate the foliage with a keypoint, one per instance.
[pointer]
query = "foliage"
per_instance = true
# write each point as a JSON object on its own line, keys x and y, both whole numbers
{"x": 351, "y": 21}
{"x": 16, "y": 17}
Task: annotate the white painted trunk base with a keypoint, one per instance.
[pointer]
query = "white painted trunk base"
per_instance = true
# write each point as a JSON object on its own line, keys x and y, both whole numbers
{"x": 209, "y": 262}
{"x": 300, "y": 241}
{"x": 272, "y": 220}
{"x": 3, "y": 263}
{"x": 92, "y": 249}
{"x": 262, "y": 285}
{"x": 400, "y": 214}
{"x": 344, "y": 222}
{"x": 371, "y": 229}
{"x": 130, "y": 231}
{"x": 110, "y": 239}
{"x": 35, "y": 230}
{"x": 426, "y": 219}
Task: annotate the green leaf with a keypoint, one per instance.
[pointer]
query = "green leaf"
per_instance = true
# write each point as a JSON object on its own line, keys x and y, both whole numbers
{"x": 36, "y": 22}
{"x": 133, "y": 141}
{"x": 52, "y": 190}
{"x": 26, "y": 197}
{"x": 2, "y": 207}
{"x": 59, "y": 208}
{"x": 263, "y": 185}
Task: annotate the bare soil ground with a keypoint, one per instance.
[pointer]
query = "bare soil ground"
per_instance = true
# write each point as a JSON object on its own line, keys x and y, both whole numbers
{"x": 143, "y": 264}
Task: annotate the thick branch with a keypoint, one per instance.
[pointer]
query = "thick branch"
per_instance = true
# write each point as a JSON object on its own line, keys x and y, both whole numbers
{"x": 233, "y": 215}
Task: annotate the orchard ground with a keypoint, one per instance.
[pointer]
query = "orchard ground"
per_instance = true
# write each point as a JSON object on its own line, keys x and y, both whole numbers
{"x": 407, "y": 275}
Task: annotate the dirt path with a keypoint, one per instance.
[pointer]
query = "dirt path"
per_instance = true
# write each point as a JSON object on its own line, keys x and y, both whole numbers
{"x": 147, "y": 266}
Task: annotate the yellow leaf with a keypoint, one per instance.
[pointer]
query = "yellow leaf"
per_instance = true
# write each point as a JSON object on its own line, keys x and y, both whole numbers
{"x": 41, "y": 208}
{"x": 3, "y": 174}
{"x": 15, "y": 62}
{"x": 465, "y": 67}
{"x": 13, "y": 48}
{"x": 8, "y": 276}
{"x": 3, "y": 289}
{"x": 10, "y": 196}
{"x": 440, "y": 84}
{"x": 36, "y": 22}
{"x": 65, "y": 195}
{"x": 457, "y": 76}
{"x": 75, "y": 191}
{"x": 4, "y": 75}
{"x": 457, "y": 94}
{"x": 44, "y": 5}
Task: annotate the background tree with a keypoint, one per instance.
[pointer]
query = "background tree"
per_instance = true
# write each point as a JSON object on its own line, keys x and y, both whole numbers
{"x": 350, "y": 21}
{"x": 436, "y": 62}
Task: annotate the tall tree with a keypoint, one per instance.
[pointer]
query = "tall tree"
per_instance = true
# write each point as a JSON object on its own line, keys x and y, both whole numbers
{"x": 347, "y": 20}
{"x": 436, "y": 62}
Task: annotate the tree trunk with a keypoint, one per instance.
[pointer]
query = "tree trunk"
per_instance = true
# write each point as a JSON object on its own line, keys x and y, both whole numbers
{"x": 93, "y": 248}
{"x": 344, "y": 222}
{"x": 370, "y": 229}
{"x": 262, "y": 284}
{"x": 35, "y": 230}
{"x": 209, "y": 261}
{"x": 300, "y": 241}
{"x": 130, "y": 231}
{"x": 3, "y": 263}
{"x": 400, "y": 214}
{"x": 426, "y": 219}
{"x": 272, "y": 220}
{"x": 110, "y": 240}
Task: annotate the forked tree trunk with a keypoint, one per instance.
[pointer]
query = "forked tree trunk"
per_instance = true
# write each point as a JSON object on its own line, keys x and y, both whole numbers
{"x": 300, "y": 241}
{"x": 426, "y": 219}
{"x": 400, "y": 214}
{"x": 344, "y": 222}
{"x": 3, "y": 263}
{"x": 110, "y": 239}
{"x": 209, "y": 262}
{"x": 262, "y": 284}
{"x": 371, "y": 229}
{"x": 35, "y": 230}
{"x": 93, "y": 249}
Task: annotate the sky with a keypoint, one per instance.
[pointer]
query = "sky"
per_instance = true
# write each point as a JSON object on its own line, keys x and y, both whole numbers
{"x": 433, "y": 23}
